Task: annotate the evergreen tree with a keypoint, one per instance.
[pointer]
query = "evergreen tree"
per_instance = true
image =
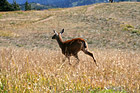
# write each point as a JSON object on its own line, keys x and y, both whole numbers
{"x": 27, "y": 6}
{"x": 15, "y": 6}
{"x": 5, "y": 6}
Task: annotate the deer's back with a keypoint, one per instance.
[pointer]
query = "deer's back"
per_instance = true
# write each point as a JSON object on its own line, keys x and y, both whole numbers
{"x": 73, "y": 46}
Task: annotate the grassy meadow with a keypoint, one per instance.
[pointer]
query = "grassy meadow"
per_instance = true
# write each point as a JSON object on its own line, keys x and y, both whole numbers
{"x": 30, "y": 61}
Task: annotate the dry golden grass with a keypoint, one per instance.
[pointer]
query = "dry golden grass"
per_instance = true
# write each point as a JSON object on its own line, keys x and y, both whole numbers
{"x": 34, "y": 62}
{"x": 7, "y": 34}
{"x": 42, "y": 70}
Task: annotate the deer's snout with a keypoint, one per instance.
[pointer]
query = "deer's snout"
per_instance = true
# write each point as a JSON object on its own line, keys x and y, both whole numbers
{"x": 53, "y": 37}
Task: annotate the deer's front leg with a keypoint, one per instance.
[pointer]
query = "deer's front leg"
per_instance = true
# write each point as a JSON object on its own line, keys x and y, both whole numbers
{"x": 68, "y": 56}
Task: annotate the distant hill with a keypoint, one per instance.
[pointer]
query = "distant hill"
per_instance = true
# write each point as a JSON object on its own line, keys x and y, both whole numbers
{"x": 65, "y": 3}
{"x": 37, "y": 6}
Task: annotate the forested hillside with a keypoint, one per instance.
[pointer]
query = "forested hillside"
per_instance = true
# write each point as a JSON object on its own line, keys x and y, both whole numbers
{"x": 66, "y": 3}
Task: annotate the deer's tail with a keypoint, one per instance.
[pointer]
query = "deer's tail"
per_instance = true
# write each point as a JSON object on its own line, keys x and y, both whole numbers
{"x": 85, "y": 44}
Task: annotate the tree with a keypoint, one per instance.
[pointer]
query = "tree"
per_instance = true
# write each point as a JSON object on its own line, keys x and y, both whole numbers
{"x": 15, "y": 6}
{"x": 5, "y": 6}
{"x": 111, "y": 1}
{"x": 27, "y": 6}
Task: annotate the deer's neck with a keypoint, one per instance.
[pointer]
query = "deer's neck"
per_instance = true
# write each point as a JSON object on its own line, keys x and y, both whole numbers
{"x": 60, "y": 41}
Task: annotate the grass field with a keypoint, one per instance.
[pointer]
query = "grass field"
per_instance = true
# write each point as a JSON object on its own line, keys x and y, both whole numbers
{"x": 43, "y": 70}
{"x": 30, "y": 61}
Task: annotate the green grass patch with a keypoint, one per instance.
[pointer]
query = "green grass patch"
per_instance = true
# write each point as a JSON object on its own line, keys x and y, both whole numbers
{"x": 127, "y": 27}
{"x": 8, "y": 34}
{"x": 20, "y": 12}
{"x": 131, "y": 29}
{"x": 136, "y": 31}
{"x": 111, "y": 91}
{"x": 0, "y": 16}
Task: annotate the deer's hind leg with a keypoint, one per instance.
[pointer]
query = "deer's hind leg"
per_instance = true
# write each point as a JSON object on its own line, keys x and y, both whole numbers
{"x": 90, "y": 54}
{"x": 69, "y": 60}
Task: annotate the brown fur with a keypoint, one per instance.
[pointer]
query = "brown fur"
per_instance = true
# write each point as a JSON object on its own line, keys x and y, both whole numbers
{"x": 72, "y": 47}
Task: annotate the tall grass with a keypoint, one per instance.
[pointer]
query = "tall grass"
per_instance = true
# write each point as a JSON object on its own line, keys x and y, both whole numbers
{"x": 42, "y": 70}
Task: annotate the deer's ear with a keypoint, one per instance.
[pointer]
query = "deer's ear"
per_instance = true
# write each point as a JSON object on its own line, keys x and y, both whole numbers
{"x": 62, "y": 31}
{"x": 55, "y": 32}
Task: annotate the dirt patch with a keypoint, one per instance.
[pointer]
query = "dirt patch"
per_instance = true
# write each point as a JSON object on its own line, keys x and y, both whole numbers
{"x": 44, "y": 20}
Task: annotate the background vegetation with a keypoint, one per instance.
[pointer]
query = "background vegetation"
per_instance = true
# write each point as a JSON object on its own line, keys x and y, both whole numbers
{"x": 6, "y": 6}
{"x": 30, "y": 61}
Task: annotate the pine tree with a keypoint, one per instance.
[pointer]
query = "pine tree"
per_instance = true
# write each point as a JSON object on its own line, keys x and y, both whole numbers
{"x": 5, "y": 6}
{"x": 27, "y": 6}
{"x": 15, "y": 6}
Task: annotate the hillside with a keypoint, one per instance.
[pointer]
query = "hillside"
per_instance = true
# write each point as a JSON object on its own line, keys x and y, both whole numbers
{"x": 31, "y": 62}
{"x": 114, "y": 25}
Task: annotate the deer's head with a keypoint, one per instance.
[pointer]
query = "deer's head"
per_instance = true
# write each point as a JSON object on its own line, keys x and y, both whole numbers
{"x": 56, "y": 35}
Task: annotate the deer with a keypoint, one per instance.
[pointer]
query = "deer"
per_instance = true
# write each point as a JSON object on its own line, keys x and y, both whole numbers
{"x": 72, "y": 47}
